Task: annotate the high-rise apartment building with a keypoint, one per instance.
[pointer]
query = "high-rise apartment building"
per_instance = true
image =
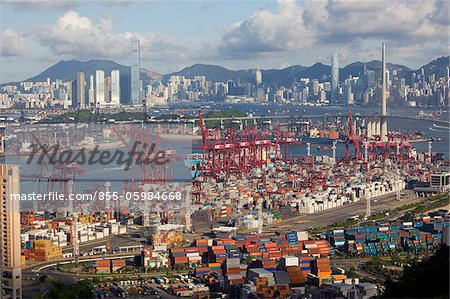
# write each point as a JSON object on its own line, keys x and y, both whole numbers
{"x": 10, "y": 250}
{"x": 334, "y": 77}
{"x": 135, "y": 73}
{"x": 99, "y": 87}
{"x": 115, "y": 88}
{"x": 91, "y": 90}
{"x": 107, "y": 90}
{"x": 81, "y": 89}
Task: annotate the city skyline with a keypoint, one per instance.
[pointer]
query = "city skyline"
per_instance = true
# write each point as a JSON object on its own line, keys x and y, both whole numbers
{"x": 217, "y": 33}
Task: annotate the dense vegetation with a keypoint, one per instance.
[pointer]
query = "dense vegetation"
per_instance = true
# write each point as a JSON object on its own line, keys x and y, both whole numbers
{"x": 80, "y": 290}
{"x": 224, "y": 113}
{"x": 84, "y": 116}
{"x": 426, "y": 279}
{"x": 229, "y": 113}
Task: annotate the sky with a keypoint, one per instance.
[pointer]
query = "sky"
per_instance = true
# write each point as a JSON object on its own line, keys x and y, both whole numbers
{"x": 36, "y": 34}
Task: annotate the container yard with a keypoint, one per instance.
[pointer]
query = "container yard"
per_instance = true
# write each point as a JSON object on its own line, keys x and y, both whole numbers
{"x": 411, "y": 237}
{"x": 282, "y": 264}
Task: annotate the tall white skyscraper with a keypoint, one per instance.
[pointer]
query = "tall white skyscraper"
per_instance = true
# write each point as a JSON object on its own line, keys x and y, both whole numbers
{"x": 99, "y": 87}
{"x": 91, "y": 90}
{"x": 115, "y": 88}
{"x": 383, "y": 120}
{"x": 334, "y": 77}
{"x": 258, "y": 77}
{"x": 10, "y": 263}
{"x": 135, "y": 73}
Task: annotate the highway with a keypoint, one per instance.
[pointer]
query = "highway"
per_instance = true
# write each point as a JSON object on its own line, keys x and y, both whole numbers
{"x": 344, "y": 212}
{"x": 65, "y": 260}
{"x": 115, "y": 242}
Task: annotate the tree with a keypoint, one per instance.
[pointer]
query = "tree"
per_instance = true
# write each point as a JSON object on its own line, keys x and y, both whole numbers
{"x": 426, "y": 279}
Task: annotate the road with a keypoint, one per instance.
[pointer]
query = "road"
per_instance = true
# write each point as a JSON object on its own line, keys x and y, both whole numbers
{"x": 115, "y": 242}
{"x": 329, "y": 216}
{"x": 41, "y": 265}
{"x": 344, "y": 212}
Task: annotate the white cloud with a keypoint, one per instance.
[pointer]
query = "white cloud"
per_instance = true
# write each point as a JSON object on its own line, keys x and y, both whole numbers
{"x": 76, "y": 36}
{"x": 11, "y": 43}
{"x": 267, "y": 31}
{"x": 337, "y": 24}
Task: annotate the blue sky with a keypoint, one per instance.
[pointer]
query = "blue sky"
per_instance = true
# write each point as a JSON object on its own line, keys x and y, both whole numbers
{"x": 36, "y": 34}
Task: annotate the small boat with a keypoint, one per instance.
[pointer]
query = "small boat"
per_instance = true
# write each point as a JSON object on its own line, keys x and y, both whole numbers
{"x": 322, "y": 148}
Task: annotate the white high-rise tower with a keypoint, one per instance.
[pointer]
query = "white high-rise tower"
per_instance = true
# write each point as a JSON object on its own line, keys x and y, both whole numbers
{"x": 99, "y": 87}
{"x": 135, "y": 73}
{"x": 383, "y": 120}
{"x": 115, "y": 88}
{"x": 334, "y": 77}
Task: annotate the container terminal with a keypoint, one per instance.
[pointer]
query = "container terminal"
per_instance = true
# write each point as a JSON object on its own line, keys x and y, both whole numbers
{"x": 259, "y": 217}
{"x": 261, "y": 220}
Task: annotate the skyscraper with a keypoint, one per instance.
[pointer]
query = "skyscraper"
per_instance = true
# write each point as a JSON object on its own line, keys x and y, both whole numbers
{"x": 258, "y": 77}
{"x": 11, "y": 271}
{"x": 108, "y": 90}
{"x": 99, "y": 87}
{"x": 91, "y": 90}
{"x": 135, "y": 73}
{"x": 81, "y": 90}
{"x": 334, "y": 77}
{"x": 115, "y": 88}
{"x": 383, "y": 120}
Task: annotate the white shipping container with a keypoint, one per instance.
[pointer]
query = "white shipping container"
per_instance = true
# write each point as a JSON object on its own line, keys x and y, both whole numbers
{"x": 160, "y": 248}
{"x": 192, "y": 254}
{"x": 308, "y": 246}
{"x": 289, "y": 261}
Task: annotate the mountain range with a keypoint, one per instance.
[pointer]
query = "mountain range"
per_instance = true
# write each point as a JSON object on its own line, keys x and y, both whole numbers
{"x": 67, "y": 70}
{"x": 280, "y": 77}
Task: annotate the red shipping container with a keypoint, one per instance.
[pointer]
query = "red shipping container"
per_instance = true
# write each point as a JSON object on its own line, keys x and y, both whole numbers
{"x": 275, "y": 255}
{"x": 191, "y": 249}
{"x": 252, "y": 249}
{"x": 177, "y": 249}
{"x": 313, "y": 251}
{"x": 233, "y": 271}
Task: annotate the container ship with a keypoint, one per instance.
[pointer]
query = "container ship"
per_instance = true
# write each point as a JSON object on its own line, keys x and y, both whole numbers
{"x": 324, "y": 136}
